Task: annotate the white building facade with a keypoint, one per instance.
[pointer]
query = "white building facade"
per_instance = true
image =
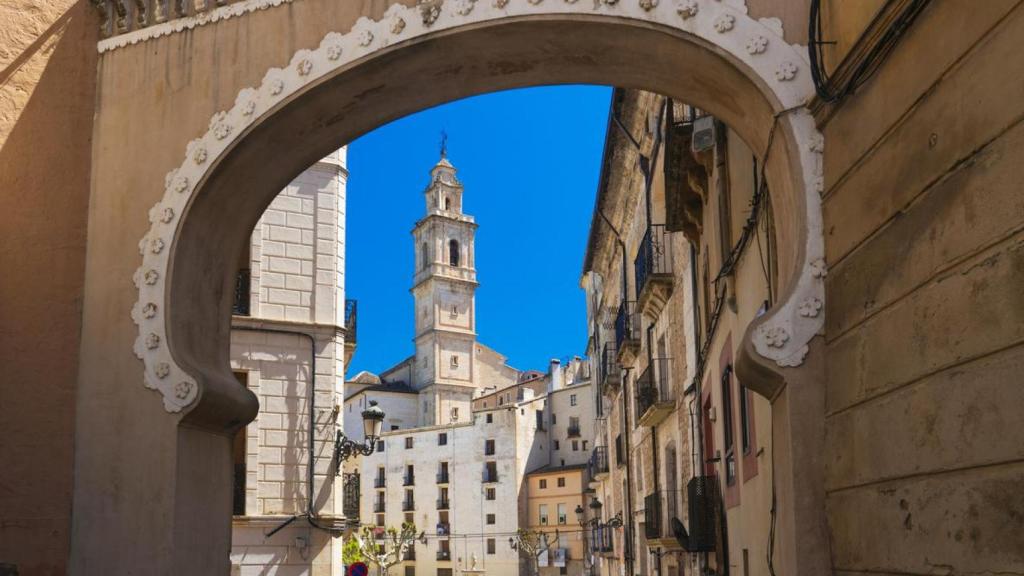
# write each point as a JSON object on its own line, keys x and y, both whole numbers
{"x": 292, "y": 333}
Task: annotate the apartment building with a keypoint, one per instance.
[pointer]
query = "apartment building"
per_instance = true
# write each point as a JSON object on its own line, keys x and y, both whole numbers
{"x": 670, "y": 290}
{"x": 292, "y": 334}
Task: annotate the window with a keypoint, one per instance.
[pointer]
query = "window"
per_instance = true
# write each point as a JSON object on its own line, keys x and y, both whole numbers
{"x": 490, "y": 546}
{"x": 490, "y": 519}
{"x": 553, "y": 419}
{"x": 442, "y": 439}
{"x": 455, "y": 361}
{"x": 556, "y": 444}
{"x": 489, "y": 448}
{"x": 455, "y": 311}
{"x": 561, "y": 508}
{"x": 408, "y": 443}
{"x": 575, "y": 446}
{"x": 447, "y": 203}
{"x": 572, "y": 399}
{"x": 727, "y": 425}
{"x": 491, "y": 472}
{"x": 410, "y": 571}
{"x": 744, "y": 420}
{"x": 444, "y": 571}
{"x": 543, "y": 514}
{"x": 489, "y": 494}
{"x": 455, "y": 414}
{"x": 453, "y": 252}
{"x": 394, "y": 427}
{"x": 425, "y": 256}
{"x": 490, "y": 418}
{"x": 543, "y": 483}
{"x": 584, "y": 445}
{"x": 380, "y": 445}
{"x": 561, "y": 482}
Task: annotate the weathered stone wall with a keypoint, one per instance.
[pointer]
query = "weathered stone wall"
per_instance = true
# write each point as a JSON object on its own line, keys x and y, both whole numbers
{"x": 47, "y": 87}
{"x": 923, "y": 216}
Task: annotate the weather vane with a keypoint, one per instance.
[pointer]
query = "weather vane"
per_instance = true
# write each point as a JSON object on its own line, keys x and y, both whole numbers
{"x": 444, "y": 144}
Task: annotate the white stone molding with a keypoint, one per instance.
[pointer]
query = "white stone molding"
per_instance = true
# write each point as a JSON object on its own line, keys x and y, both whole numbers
{"x": 706, "y": 20}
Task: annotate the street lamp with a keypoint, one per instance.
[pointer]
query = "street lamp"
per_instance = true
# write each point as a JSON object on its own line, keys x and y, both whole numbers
{"x": 345, "y": 448}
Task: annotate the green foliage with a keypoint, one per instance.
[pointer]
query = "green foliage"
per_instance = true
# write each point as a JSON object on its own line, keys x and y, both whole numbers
{"x": 350, "y": 553}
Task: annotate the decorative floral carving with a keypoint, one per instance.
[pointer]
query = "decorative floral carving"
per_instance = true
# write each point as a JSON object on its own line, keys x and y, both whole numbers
{"x": 776, "y": 336}
{"x": 276, "y": 86}
{"x": 152, "y": 341}
{"x": 156, "y": 245}
{"x": 786, "y": 71}
{"x": 334, "y": 51}
{"x": 818, "y": 268}
{"x": 810, "y": 307}
{"x": 162, "y": 370}
{"x": 220, "y": 126}
{"x": 795, "y": 359}
{"x": 464, "y": 7}
{"x": 304, "y": 67}
{"x": 500, "y": 3}
{"x": 724, "y": 23}
{"x": 149, "y": 310}
{"x": 166, "y": 215}
{"x": 150, "y": 277}
{"x": 816, "y": 144}
{"x": 757, "y": 44}
{"x": 176, "y": 183}
{"x": 687, "y": 9}
{"x": 648, "y": 5}
{"x": 430, "y": 11}
{"x": 197, "y": 152}
{"x": 364, "y": 37}
{"x": 182, "y": 389}
{"x": 397, "y": 25}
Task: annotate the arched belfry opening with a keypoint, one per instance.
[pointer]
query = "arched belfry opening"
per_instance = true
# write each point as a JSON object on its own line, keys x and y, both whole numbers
{"x": 357, "y": 74}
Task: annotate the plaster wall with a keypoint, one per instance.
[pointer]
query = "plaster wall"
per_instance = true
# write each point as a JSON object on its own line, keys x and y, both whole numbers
{"x": 923, "y": 214}
{"x": 47, "y": 98}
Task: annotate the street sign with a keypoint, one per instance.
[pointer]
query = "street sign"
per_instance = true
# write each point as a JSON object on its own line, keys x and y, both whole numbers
{"x": 358, "y": 569}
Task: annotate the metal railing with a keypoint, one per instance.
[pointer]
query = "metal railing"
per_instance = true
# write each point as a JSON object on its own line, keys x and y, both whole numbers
{"x": 378, "y": 506}
{"x": 410, "y": 554}
{"x": 350, "y": 501}
{"x": 652, "y": 516}
{"x": 627, "y": 324}
{"x": 443, "y": 504}
{"x": 408, "y": 480}
{"x": 350, "y": 321}
{"x": 654, "y": 256}
{"x": 704, "y": 507}
{"x": 380, "y": 482}
{"x": 243, "y": 288}
{"x": 444, "y": 555}
{"x": 611, "y": 372}
{"x": 442, "y": 477}
{"x": 490, "y": 475}
{"x": 653, "y": 386}
{"x": 598, "y": 463}
{"x": 573, "y": 431}
{"x": 408, "y": 505}
{"x": 122, "y": 16}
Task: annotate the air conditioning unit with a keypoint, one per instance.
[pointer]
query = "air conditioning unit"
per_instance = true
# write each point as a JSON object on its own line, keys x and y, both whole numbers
{"x": 703, "y": 134}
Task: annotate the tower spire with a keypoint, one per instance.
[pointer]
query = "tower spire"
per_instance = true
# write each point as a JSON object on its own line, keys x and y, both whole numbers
{"x": 444, "y": 144}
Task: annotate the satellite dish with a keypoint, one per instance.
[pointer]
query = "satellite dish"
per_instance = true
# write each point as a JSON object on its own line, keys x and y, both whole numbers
{"x": 682, "y": 537}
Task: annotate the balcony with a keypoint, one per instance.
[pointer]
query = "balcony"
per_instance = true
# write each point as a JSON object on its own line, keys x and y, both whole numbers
{"x": 408, "y": 480}
{"x": 573, "y": 431}
{"x": 627, "y": 332}
{"x": 350, "y": 501}
{"x": 243, "y": 286}
{"x": 443, "y": 529}
{"x": 599, "y": 463}
{"x": 654, "y": 397}
{"x": 443, "y": 504}
{"x": 652, "y": 516}
{"x": 442, "y": 477}
{"x": 444, "y": 555}
{"x": 380, "y": 482}
{"x": 410, "y": 555}
{"x": 611, "y": 372}
{"x": 653, "y": 271}
{"x": 350, "y": 329}
{"x": 408, "y": 505}
{"x": 490, "y": 476}
{"x": 378, "y": 506}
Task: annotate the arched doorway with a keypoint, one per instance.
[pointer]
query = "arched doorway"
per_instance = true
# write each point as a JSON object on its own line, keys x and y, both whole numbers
{"x": 710, "y": 54}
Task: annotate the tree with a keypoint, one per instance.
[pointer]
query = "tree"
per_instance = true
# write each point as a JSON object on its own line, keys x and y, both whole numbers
{"x": 350, "y": 553}
{"x": 533, "y": 543}
{"x": 386, "y": 555}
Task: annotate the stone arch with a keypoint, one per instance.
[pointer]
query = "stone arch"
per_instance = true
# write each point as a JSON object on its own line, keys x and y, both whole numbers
{"x": 709, "y": 53}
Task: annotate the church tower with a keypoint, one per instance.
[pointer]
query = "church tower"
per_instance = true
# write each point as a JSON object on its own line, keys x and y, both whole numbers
{"x": 444, "y": 369}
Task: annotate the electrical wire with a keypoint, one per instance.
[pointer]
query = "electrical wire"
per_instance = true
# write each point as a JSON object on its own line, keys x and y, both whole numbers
{"x": 871, "y": 62}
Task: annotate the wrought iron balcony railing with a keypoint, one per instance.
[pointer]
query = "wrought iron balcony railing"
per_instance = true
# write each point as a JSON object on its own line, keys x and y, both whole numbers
{"x": 408, "y": 480}
{"x": 654, "y": 258}
{"x": 443, "y": 504}
{"x": 611, "y": 371}
{"x": 410, "y": 554}
{"x": 652, "y": 516}
{"x": 598, "y": 463}
{"x": 378, "y": 506}
{"x": 350, "y": 321}
{"x": 408, "y": 505}
{"x": 490, "y": 476}
{"x": 442, "y": 477}
{"x": 627, "y": 325}
{"x": 380, "y": 482}
{"x": 350, "y": 502}
{"x": 243, "y": 287}
{"x": 654, "y": 392}
{"x": 573, "y": 431}
{"x": 444, "y": 555}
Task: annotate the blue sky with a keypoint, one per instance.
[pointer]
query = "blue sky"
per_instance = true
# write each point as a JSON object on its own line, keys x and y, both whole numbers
{"x": 530, "y": 161}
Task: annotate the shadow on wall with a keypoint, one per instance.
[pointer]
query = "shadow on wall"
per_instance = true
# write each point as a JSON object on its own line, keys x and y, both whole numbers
{"x": 48, "y": 63}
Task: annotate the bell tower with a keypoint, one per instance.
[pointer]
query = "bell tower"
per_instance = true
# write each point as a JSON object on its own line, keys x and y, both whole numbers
{"x": 444, "y": 284}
